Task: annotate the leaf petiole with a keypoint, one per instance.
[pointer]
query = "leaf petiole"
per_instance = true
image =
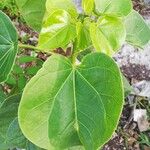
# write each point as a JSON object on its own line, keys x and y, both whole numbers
{"x": 26, "y": 46}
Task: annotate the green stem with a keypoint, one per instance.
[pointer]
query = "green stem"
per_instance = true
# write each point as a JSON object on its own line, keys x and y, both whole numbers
{"x": 34, "y": 48}
{"x": 74, "y": 58}
{"x": 74, "y": 54}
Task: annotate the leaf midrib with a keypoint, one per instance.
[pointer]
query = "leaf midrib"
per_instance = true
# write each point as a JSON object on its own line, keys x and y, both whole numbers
{"x": 92, "y": 88}
{"x": 59, "y": 91}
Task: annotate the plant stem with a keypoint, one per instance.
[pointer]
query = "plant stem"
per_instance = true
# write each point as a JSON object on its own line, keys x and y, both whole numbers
{"x": 29, "y": 47}
{"x": 34, "y": 48}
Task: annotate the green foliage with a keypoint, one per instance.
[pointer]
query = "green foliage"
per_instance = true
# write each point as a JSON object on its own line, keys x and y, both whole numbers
{"x": 144, "y": 139}
{"x": 11, "y": 135}
{"x": 66, "y": 5}
{"x": 9, "y": 6}
{"x": 8, "y": 46}
{"x": 113, "y": 7}
{"x": 8, "y": 113}
{"x": 72, "y": 103}
{"x": 57, "y": 32}
{"x": 2, "y": 95}
{"x": 106, "y": 18}
{"x": 138, "y": 32}
{"x": 83, "y": 40}
{"x": 67, "y": 105}
{"x": 88, "y": 6}
{"x": 20, "y": 75}
{"x": 127, "y": 88}
{"x": 108, "y": 34}
{"x": 32, "y": 11}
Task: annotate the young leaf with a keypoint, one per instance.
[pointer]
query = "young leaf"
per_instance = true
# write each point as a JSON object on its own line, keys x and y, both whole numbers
{"x": 8, "y": 46}
{"x": 67, "y": 5}
{"x": 113, "y": 7}
{"x": 57, "y": 31}
{"x": 33, "y": 12}
{"x": 88, "y": 6}
{"x": 138, "y": 32}
{"x": 127, "y": 87}
{"x": 75, "y": 105}
{"x": 83, "y": 40}
{"x": 108, "y": 34}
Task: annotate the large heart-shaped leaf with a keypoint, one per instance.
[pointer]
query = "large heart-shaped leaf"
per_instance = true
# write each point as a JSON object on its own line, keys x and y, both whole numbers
{"x": 138, "y": 32}
{"x": 8, "y": 46}
{"x": 75, "y": 105}
{"x": 57, "y": 31}
{"x": 114, "y": 7}
{"x": 108, "y": 34}
{"x": 67, "y": 5}
{"x": 33, "y": 12}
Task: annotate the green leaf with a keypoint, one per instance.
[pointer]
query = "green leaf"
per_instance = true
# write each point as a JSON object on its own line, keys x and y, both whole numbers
{"x": 26, "y": 59}
{"x": 2, "y": 145}
{"x": 138, "y": 32}
{"x": 11, "y": 80}
{"x": 31, "y": 146}
{"x": 57, "y": 31}
{"x": 17, "y": 69}
{"x": 32, "y": 70}
{"x": 75, "y": 105}
{"x": 108, "y": 34}
{"x": 22, "y": 82}
{"x": 14, "y": 137}
{"x": 83, "y": 40}
{"x": 8, "y": 46}
{"x": 67, "y": 5}
{"x": 33, "y": 12}
{"x": 88, "y": 6}
{"x": 8, "y": 112}
{"x": 127, "y": 87}
{"x": 82, "y": 54}
{"x": 11, "y": 135}
{"x": 2, "y": 95}
{"x": 113, "y": 7}
{"x": 2, "y": 140}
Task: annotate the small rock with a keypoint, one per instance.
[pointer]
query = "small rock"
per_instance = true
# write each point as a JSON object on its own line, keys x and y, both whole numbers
{"x": 140, "y": 116}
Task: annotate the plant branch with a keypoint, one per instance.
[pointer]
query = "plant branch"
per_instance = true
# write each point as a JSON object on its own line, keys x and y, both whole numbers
{"x": 34, "y": 48}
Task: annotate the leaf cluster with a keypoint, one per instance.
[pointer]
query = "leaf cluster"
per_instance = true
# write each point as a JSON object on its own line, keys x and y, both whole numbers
{"x": 68, "y": 105}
